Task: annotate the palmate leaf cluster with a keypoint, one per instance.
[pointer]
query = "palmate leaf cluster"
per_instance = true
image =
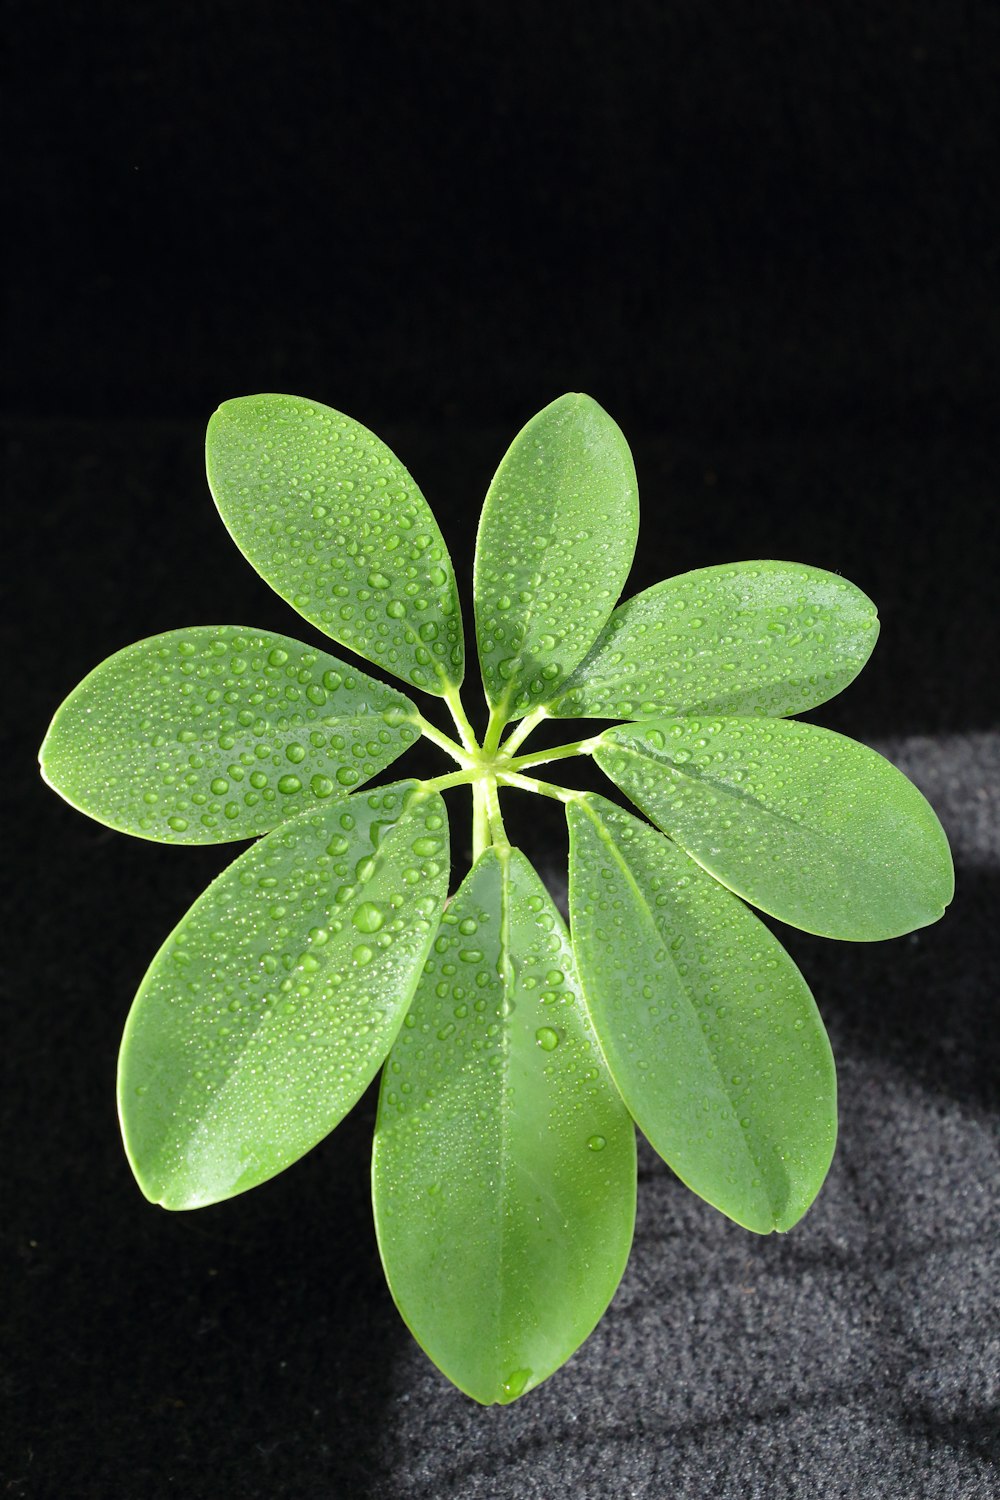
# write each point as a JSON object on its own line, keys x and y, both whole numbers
{"x": 517, "y": 1056}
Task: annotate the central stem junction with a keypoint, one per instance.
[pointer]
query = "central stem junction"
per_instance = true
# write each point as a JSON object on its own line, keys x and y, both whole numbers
{"x": 493, "y": 764}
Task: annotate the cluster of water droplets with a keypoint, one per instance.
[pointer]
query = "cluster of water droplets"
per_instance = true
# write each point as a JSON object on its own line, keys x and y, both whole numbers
{"x": 555, "y": 545}
{"x": 496, "y": 1112}
{"x": 279, "y": 994}
{"x": 808, "y": 825}
{"x": 750, "y": 638}
{"x": 709, "y": 1029}
{"x": 334, "y": 522}
{"x": 214, "y": 733}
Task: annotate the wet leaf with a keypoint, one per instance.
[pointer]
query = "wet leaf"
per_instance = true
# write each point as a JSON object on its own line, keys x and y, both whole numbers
{"x": 220, "y": 732}
{"x": 332, "y": 521}
{"x": 809, "y": 826}
{"x": 504, "y": 1164}
{"x": 708, "y": 1027}
{"x": 749, "y": 638}
{"x": 268, "y": 1010}
{"x": 556, "y": 540}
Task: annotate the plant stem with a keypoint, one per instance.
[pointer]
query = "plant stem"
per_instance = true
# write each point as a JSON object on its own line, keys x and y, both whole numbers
{"x": 454, "y": 778}
{"x": 466, "y": 733}
{"x": 559, "y": 752}
{"x": 494, "y": 729}
{"x": 520, "y": 734}
{"x": 480, "y": 819}
{"x": 443, "y": 741}
{"x": 544, "y": 788}
{"x": 498, "y": 832}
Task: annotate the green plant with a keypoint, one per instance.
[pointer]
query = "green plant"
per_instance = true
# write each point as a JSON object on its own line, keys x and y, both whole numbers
{"x": 516, "y": 1059}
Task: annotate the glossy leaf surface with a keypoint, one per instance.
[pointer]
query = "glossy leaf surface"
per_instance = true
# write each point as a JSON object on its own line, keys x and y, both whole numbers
{"x": 335, "y": 524}
{"x": 749, "y": 638}
{"x": 709, "y": 1029}
{"x": 220, "y": 732}
{"x": 504, "y": 1164}
{"x": 270, "y": 1007}
{"x": 809, "y": 826}
{"x": 556, "y": 540}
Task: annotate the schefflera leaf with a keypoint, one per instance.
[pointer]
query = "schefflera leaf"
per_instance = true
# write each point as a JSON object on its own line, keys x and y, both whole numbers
{"x": 331, "y": 519}
{"x": 814, "y": 828}
{"x": 268, "y": 1010}
{"x": 709, "y": 1029}
{"x": 220, "y": 732}
{"x": 556, "y": 540}
{"x": 748, "y": 638}
{"x": 504, "y": 1164}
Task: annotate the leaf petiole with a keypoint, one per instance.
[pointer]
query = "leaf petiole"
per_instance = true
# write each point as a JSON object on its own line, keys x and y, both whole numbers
{"x": 526, "y": 727}
{"x": 466, "y": 733}
{"x": 543, "y": 788}
{"x": 494, "y": 729}
{"x": 498, "y": 833}
{"x": 480, "y": 820}
{"x": 559, "y": 752}
{"x": 443, "y": 741}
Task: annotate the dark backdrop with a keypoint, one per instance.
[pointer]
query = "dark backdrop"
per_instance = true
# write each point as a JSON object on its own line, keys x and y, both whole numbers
{"x": 766, "y": 238}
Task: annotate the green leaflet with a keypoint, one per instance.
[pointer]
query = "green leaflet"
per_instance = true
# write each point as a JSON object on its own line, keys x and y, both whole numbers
{"x": 268, "y": 1010}
{"x": 504, "y": 1163}
{"x": 219, "y": 732}
{"x": 749, "y": 638}
{"x": 333, "y": 522}
{"x": 708, "y": 1027}
{"x": 811, "y": 827}
{"x": 556, "y": 541}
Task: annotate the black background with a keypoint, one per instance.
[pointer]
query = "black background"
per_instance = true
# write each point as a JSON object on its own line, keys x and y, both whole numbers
{"x": 767, "y": 240}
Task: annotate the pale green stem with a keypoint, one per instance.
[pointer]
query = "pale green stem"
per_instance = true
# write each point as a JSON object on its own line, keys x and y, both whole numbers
{"x": 480, "y": 819}
{"x": 466, "y": 733}
{"x": 520, "y": 734}
{"x": 498, "y": 832}
{"x": 543, "y": 788}
{"x": 559, "y": 752}
{"x": 494, "y": 730}
{"x": 455, "y": 778}
{"x": 443, "y": 741}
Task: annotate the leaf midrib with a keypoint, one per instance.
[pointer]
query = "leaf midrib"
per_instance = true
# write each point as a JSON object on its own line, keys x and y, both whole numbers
{"x": 609, "y": 843}
{"x": 268, "y": 1016}
{"x": 858, "y": 856}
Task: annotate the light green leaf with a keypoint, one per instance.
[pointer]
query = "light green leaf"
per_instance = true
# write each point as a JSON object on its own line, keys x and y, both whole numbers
{"x": 504, "y": 1163}
{"x": 556, "y": 540}
{"x": 219, "y": 732}
{"x": 748, "y": 638}
{"x": 332, "y": 521}
{"x": 708, "y": 1027}
{"x": 268, "y": 1010}
{"x": 809, "y": 826}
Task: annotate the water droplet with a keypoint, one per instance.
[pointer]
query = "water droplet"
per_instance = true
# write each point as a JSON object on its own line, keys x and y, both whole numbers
{"x": 368, "y": 917}
{"x": 546, "y": 1038}
{"x": 177, "y": 824}
{"x": 596, "y": 1143}
{"x": 362, "y": 954}
{"x": 289, "y": 784}
{"x": 515, "y": 1383}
